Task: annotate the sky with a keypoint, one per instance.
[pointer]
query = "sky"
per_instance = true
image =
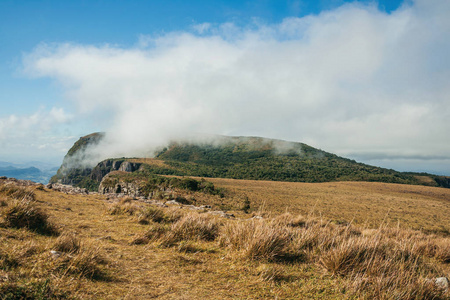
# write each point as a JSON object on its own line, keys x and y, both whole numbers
{"x": 367, "y": 80}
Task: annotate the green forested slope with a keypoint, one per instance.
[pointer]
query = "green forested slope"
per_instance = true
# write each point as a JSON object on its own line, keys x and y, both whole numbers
{"x": 258, "y": 158}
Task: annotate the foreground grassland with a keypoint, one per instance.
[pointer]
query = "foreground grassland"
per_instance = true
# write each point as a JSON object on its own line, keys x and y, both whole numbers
{"x": 127, "y": 249}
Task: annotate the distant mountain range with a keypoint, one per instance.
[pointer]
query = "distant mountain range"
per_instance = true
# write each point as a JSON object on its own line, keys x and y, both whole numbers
{"x": 34, "y": 171}
{"x": 253, "y": 158}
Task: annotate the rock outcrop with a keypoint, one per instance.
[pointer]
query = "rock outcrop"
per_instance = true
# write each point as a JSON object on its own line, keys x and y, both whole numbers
{"x": 78, "y": 162}
{"x": 68, "y": 189}
{"x": 77, "y": 168}
{"x": 111, "y": 185}
{"x": 19, "y": 182}
{"x": 110, "y": 165}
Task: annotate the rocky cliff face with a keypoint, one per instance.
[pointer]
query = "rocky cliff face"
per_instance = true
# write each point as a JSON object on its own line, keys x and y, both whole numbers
{"x": 74, "y": 168}
{"x": 110, "y": 185}
{"x": 110, "y": 165}
{"x": 91, "y": 178}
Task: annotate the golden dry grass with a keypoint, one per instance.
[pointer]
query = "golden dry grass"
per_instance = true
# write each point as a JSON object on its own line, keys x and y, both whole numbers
{"x": 207, "y": 259}
{"x": 363, "y": 203}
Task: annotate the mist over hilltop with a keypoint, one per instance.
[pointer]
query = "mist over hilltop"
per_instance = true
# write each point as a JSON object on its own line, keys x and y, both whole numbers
{"x": 225, "y": 157}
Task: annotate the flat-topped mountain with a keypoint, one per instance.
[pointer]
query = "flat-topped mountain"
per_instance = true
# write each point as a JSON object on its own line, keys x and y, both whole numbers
{"x": 235, "y": 157}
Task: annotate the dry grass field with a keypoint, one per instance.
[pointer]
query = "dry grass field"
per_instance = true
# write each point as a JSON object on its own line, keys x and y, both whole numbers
{"x": 127, "y": 249}
{"x": 362, "y": 203}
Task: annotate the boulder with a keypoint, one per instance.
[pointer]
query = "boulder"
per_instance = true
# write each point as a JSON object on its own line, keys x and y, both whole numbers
{"x": 442, "y": 282}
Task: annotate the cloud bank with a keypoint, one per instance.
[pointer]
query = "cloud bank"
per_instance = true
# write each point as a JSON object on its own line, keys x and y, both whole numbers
{"x": 354, "y": 81}
{"x": 37, "y": 136}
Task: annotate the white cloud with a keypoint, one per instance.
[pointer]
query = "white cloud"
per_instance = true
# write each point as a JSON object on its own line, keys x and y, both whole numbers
{"x": 202, "y": 28}
{"x": 349, "y": 80}
{"x": 28, "y": 137}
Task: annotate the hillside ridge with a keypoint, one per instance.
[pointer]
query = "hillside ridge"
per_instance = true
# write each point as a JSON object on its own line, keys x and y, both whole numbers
{"x": 252, "y": 158}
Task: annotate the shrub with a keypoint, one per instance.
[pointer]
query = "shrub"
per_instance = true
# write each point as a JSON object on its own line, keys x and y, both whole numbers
{"x": 246, "y": 205}
{"x": 24, "y": 213}
{"x": 182, "y": 200}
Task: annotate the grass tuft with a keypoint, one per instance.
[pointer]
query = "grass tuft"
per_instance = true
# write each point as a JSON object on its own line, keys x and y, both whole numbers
{"x": 85, "y": 263}
{"x": 41, "y": 289}
{"x": 67, "y": 242}
{"x": 153, "y": 214}
{"x": 25, "y": 214}
{"x": 8, "y": 260}
{"x": 156, "y": 231}
{"x": 195, "y": 227}
{"x": 288, "y": 219}
{"x": 124, "y": 206}
{"x": 257, "y": 239}
{"x": 273, "y": 273}
{"x": 17, "y": 192}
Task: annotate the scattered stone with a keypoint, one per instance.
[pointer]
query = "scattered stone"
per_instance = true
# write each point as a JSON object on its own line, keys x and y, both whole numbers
{"x": 174, "y": 202}
{"x": 49, "y": 186}
{"x": 55, "y": 254}
{"x": 442, "y": 282}
{"x": 19, "y": 182}
{"x": 222, "y": 214}
{"x": 68, "y": 189}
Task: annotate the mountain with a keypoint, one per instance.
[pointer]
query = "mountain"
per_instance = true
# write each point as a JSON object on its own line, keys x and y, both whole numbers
{"x": 253, "y": 158}
{"x": 19, "y": 172}
{"x": 30, "y": 173}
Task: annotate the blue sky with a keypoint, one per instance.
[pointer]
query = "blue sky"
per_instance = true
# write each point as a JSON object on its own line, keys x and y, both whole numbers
{"x": 363, "y": 79}
{"x": 26, "y": 24}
